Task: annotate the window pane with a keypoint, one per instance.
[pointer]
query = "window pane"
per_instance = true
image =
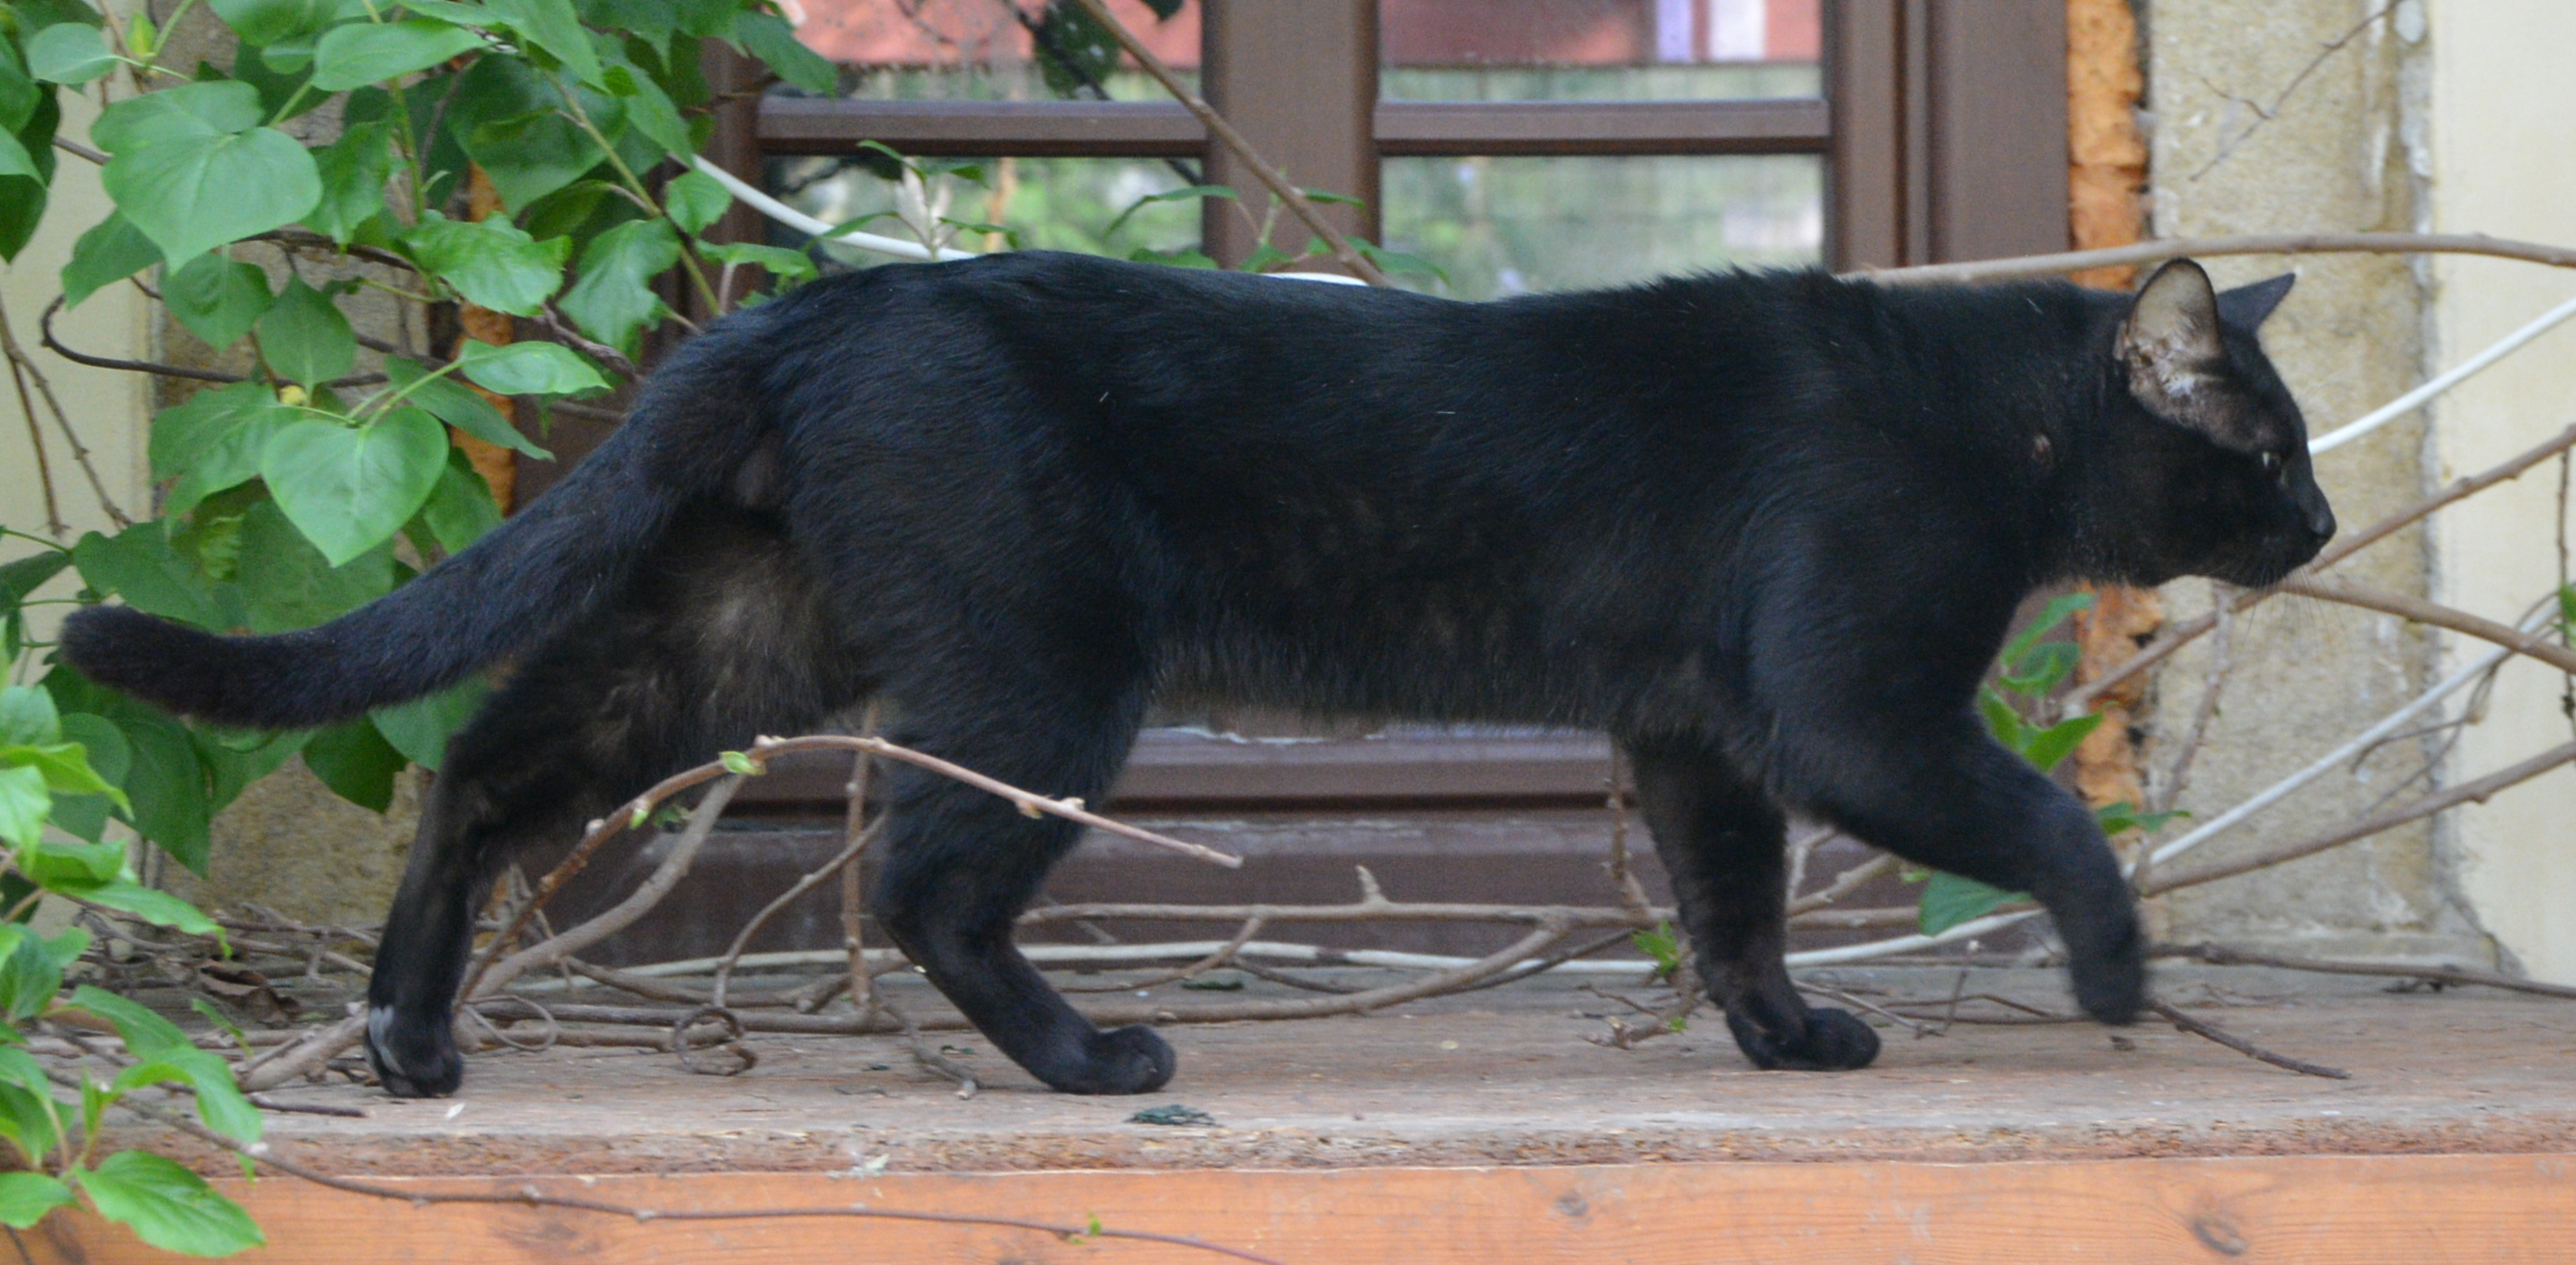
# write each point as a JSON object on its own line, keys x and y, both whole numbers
{"x": 1503, "y": 226}
{"x": 1598, "y": 50}
{"x": 1051, "y": 203}
{"x": 982, "y": 50}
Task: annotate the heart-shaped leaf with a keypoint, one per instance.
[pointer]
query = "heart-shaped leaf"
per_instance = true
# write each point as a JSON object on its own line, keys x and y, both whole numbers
{"x": 304, "y": 338}
{"x": 459, "y": 406}
{"x": 190, "y": 194}
{"x": 168, "y": 1206}
{"x": 362, "y": 53}
{"x": 217, "y": 298}
{"x": 68, "y": 53}
{"x": 349, "y": 489}
{"x": 204, "y": 110}
{"x": 109, "y": 252}
{"x": 353, "y": 170}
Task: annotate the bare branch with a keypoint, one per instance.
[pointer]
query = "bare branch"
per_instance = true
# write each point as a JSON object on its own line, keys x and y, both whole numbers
{"x": 2211, "y": 1031}
{"x": 2243, "y": 244}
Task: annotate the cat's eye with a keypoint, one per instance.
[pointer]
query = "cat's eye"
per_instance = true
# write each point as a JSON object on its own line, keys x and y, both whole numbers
{"x": 2271, "y": 463}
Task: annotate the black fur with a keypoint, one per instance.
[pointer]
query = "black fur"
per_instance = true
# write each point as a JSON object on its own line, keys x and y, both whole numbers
{"x": 1767, "y": 530}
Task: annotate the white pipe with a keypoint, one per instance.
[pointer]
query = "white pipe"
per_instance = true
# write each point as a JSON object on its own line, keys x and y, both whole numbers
{"x": 2407, "y": 403}
{"x": 803, "y": 223}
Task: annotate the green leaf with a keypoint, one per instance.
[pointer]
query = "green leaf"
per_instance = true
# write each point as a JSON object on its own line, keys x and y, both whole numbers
{"x": 304, "y": 338}
{"x": 614, "y": 300}
{"x": 147, "y": 1035}
{"x": 112, "y": 758}
{"x": 139, "y": 565}
{"x": 27, "y": 717}
{"x": 14, "y": 158}
{"x": 349, "y": 490}
{"x": 2003, "y": 722}
{"x": 787, "y": 265}
{"x": 168, "y": 1206}
{"x": 1949, "y": 900}
{"x": 694, "y": 200}
{"x": 270, "y": 21}
{"x": 18, "y": 93}
{"x": 362, "y": 53}
{"x": 2115, "y": 819}
{"x": 168, "y": 778}
{"x": 287, "y": 584}
{"x": 190, "y": 194}
{"x": 58, "y": 864}
{"x": 216, "y": 298}
{"x": 198, "y": 111}
{"x": 29, "y": 975}
{"x": 24, "y": 805}
{"x": 1184, "y": 193}
{"x": 151, "y": 905}
{"x": 531, "y": 156}
{"x": 25, "y": 1198}
{"x": 109, "y": 252}
{"x": 2049, "y": 618}
{"x": 460, "y": 407}
{"x": 649, "y": 109}
{"x": 420, "y": 728}
{"x": 24, "y": 1118}
{"x": 212, "y": 442}
{"x": 64, "y": 766}
{"x": 2050, "y": 746}
{"x": 22, "y": 197}
{"x": 493, "y": 263}
{"x": 353, "y": 171}
{"x": 68, "y": 53}
{"x": 460, "y": 510}
{"x": 552, "y": 26}
{"x": 768, "y": 37}
{"x": 737, "y": 762}
{"x": 355, "y": 762}
{"x": 2040, "y": 668}
{"x": 19, "y": 580}
{"x": 530, "y": 368}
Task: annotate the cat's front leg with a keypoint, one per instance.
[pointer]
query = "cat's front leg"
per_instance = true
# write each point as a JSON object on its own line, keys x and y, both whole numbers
{"x": 1943, "y": 794}
{"x": 1720, "y": 839}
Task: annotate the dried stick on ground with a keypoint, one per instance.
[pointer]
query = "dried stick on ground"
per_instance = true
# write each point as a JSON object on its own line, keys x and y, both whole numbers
{"x": 641, "y": 901}
{"x": 2221, "y": 955}
{"x": 1304, "y": 209}
{"x": 2210, "y": 1031}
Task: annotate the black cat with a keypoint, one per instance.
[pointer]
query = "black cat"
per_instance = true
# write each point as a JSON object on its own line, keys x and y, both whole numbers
{"x": 1765, "y": 529}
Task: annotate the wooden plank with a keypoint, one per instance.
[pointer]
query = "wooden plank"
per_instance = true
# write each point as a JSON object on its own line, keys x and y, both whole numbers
{"x": 2322, "y": 1210}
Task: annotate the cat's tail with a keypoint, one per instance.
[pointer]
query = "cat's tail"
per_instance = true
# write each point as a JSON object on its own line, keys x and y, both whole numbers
{"x": 538, "y": 572}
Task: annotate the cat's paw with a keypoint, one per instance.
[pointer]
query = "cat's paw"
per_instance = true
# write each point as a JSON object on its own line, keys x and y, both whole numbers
{"x": 2111, "y": 987}
{"x": 1130, "y": 1060}
{"x": 1834, "y": 1041}
{"x": 413, "y": 1057}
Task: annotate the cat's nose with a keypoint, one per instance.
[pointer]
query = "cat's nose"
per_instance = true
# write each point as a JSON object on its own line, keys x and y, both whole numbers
{"x": 2321, "y": 522}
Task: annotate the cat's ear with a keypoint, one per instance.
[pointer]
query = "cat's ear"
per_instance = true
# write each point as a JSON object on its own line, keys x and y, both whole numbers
{"x": 2245, "y": 307}
{"x": 2170, "y": 346}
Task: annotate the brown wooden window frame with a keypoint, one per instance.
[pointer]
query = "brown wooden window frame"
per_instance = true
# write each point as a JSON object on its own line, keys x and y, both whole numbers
{"x": 1943, "y": 132}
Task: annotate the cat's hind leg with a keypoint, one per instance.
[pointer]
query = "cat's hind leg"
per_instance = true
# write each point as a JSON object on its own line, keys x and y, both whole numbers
{"x": 719, "y": 640}
{"x": 960, "y": 864}
{"x": 1721, "y": 840}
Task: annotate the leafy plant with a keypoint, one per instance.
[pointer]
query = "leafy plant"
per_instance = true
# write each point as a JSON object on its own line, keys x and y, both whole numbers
{"x": 50, "y": 773}
{"x": 2027, "y": 670}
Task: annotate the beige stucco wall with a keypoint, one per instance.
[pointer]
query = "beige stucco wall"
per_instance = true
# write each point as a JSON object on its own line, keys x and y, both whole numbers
{"x": 2262, "y": 122}
{"x": 105, "y": 406}
{"x": 2502, "y": 133}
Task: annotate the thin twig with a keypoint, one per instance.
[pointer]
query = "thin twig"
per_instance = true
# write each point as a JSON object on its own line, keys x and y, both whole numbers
{"x": 2221, "y": 955}
{"x": 926, "y": 1056}
{"x": 1270, "y": 176}
{"x": 2211, "y": 1031}
{"x": 2241, "y": 244}
{"x": 20, "y": 360}
{"x": 2427, "y": 612}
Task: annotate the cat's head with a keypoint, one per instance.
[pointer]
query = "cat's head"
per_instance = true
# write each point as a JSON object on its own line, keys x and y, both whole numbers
{"x": 2208, "y": 460}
